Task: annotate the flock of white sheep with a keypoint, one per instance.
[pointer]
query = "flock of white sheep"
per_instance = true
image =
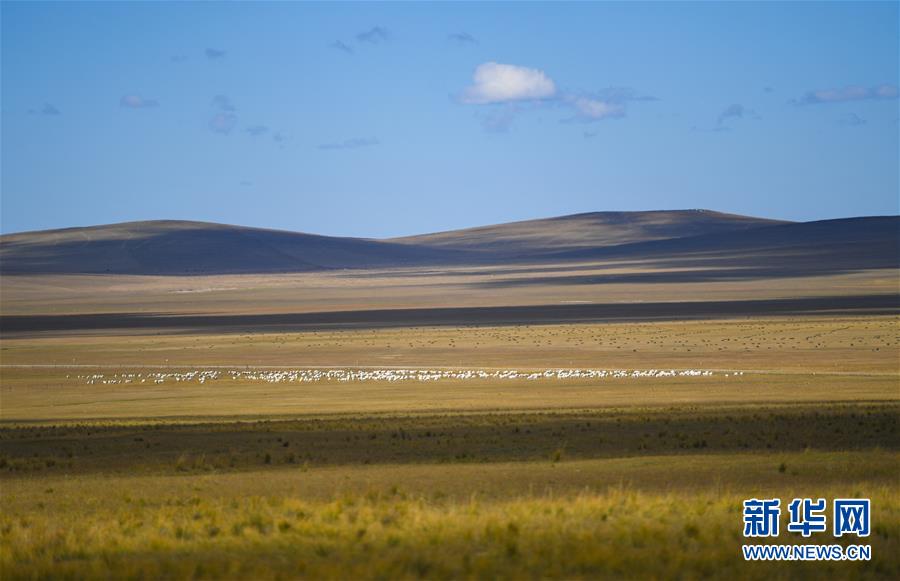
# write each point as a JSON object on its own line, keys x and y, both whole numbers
{"x": 359, "y": 375}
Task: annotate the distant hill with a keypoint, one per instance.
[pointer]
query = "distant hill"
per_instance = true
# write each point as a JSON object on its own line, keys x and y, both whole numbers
{"x": 843, "y": 244}
{"x": 586, "y": 231}
{"x": 167, "y": 247}
{"x": 685, "y": 238}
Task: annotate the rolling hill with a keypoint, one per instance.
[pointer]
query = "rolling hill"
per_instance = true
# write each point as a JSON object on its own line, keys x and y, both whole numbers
{"x": 823, "y": 245}
{"x": 166, "y": 247}
{"x": 586, "y": 231}
{"x": 688, "y": 238}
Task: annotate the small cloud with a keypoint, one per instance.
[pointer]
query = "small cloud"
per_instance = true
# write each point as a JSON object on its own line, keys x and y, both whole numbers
{"x": 609, "y": 103}
{"x": 48, "y": 110}
{"x": 178, "y": 58}
{"x": 222, "y": 123}
{"x": 341, "y": 46}
{"x": 279, "y": 138}
{"x": 495, "y": 83}
{"x": 137, "y": 102}
{"x": 257, "y": 130}
{"x": 246, "y": 183}
{"x": 849, "y": 93}
{"x": 355, "y": 143}
{"x": 499, "y": 83}
{"x": 375, "y": 35}
{"x": 462, "y": 38}
{"x": 733, "y": 111}
{"x": 768, "y": 90}
{"x": 590, "y": 134}
{"x": 852, "y": 119}
{"x": 223, "y": 103}
{"x": 587, "y": 109}
{"x": 214, "y": 54}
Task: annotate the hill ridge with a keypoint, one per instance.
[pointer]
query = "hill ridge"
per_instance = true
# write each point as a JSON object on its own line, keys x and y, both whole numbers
{"x": 179, "y": 247}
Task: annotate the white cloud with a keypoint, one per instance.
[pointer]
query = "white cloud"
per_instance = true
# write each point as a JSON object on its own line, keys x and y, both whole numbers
{"x": 499, "y": 83}
{"x": 596, "y": 109}
{"x": 850, "y": 93}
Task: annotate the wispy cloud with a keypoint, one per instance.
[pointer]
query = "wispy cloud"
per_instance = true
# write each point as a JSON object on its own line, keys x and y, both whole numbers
{"x": 355, "y": 143}
{"x": 47, "y": 109}
{"x": 848, "y": 93}
{"x": 591, "y": 109}
{"x": 341, "y": 46}
{"x": 608, "y": 103}
{"x": 214, "y": 54}
{"x": 851, "y": 119}
{"x": 462, "y": 38}
{"x": 257, "y": 130}
{"x": 500, "y": 83}
{"x": 137, "y": 102}
{"x": 223, "y": 103}
{"x": 224, "y": 119}
{"x": 733, "y": 111}
{"x": 499, "y": 120}
{"x": 222, "y": 123}
{"x": 375, "y": 35}
{"x": 178, "y": 58}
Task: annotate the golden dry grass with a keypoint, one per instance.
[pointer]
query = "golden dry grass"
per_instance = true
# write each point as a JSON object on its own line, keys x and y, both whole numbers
{"x": 803, "y": 344}
{"x": 639, "y": 492}
{"x": 268, "y": 526}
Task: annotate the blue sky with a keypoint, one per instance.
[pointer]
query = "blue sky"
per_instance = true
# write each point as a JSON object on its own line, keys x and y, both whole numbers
{"x": 390, "y": 119}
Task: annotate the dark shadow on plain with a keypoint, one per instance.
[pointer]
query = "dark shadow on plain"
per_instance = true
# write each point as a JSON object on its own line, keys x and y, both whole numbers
{"x": 25, "y": 325}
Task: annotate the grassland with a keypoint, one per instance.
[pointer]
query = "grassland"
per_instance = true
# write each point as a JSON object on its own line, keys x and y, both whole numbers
{"x": 567, "y": 494}
{"x": 611, "y": 281}
{"x": 483, "y": 478}
{"x": 181, "y": 529}
{"x": 633, "y": 477}
{"x": 784, "y": 344}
